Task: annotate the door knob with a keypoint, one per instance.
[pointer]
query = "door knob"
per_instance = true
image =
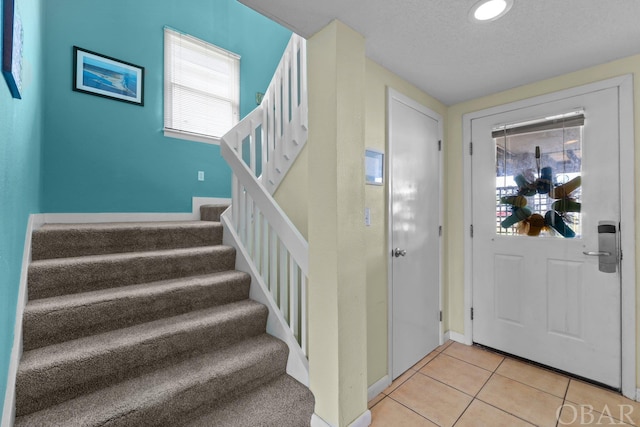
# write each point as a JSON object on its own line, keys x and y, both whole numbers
{"x": 399, "y": 252}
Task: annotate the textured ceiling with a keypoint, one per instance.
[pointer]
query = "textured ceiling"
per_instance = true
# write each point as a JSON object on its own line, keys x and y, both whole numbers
{"x": 432, "y": 43}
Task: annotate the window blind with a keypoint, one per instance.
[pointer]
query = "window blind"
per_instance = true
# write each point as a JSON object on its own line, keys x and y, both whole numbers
{"x": 202, "y": 88}
{"x": 539, "y": 126}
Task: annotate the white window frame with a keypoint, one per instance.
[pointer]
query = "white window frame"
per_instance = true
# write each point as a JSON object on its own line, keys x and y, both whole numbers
{"x": 172, "y": 129}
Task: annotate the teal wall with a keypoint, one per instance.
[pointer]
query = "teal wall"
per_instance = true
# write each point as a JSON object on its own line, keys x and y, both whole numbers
{"x": 21, "y": 133}
{"x": 102, "y": 155}
{"x": 64, "y": 151}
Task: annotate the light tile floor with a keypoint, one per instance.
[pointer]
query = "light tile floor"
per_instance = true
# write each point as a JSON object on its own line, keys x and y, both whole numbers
{"x": 463, "y": 386}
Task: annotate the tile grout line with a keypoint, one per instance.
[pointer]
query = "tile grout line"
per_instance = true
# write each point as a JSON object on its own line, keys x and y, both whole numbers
{"x": 398, "y": 386}
{"x": 448, "y": 385}
{"x": 473, "y": 398}
{"x": 470, "y": 363}
{"x": 414, "y": 411}
{"x": 529, "y": 385}
{"x": 564, "y": 401}
{"x": 495, "y": 372}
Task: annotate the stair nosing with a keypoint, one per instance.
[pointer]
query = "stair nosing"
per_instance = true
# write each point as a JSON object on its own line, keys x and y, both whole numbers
{"x": 97, "y": 344}
{"x": 138, "y": 225}
{"x": 253, "y": 400}
{"x": 161, "y": 385}
{"x": 43, "y": 263}
{"x": 159, "y": 287}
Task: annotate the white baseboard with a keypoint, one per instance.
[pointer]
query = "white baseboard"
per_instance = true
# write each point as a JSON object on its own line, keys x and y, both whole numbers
{"x": 9, "y": 407}
{"x": 363, "y": 420}
{"x": 91, "y": 218}
{"x": 316, "y": 421}
{"x": 196, "y": 202}
{"x": 454, "y": 336}
{"x": 378, "y": 387}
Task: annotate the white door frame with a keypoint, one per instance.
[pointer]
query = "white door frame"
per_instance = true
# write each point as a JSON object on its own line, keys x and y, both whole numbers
{"x": 624, "y": 84}
{"x": 391, "y": 95}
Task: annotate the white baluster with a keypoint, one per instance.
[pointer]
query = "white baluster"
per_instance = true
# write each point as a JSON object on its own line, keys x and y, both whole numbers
{"x": 264, "y": 141}
{"x": 242, "y": 218}
{"x": 294, "y": 302}
{"x": 273, "y": 266}
{"x": 304, "y": 109}
{"x": 303, "y": 313}
{"x": 257, "y": 234}
{"x": 286, "y": 116}
{"x": 283, "y": 273}
{"x": 252, "y": 148}
{"x": 265, "y": 250}
{"x": 235, "y": 202}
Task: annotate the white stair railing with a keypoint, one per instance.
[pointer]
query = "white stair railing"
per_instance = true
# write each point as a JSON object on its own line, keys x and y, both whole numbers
{"x": 260, "y": 150}
{"x": 284, "y": 115}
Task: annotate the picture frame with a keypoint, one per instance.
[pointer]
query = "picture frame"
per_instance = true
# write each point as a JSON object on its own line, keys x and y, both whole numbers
{"x": 12, "y": 46}
{"x": 374, "y": 167}
{"x": 108, "y": 77}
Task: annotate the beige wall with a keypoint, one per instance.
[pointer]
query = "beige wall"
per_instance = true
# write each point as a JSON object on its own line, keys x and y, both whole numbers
{"x": 378, "y": 79}
{"x": 337, "y": 275}
{"x": 293, "y": 192}
{"x": 454, "y": 173}
{"x": 292, "y": 195}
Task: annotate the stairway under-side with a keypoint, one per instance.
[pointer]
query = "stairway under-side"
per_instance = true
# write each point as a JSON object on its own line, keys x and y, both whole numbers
{"x": 148, "y": 324}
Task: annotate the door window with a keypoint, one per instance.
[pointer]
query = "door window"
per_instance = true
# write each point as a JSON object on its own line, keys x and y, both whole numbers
{"x": 538, "y": 177}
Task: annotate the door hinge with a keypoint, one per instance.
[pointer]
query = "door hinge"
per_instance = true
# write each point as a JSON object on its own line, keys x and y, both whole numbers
{"x": 471, "y": 313}
{"x": 621, "y": 255}
{"x": 441, "y": 315}
{"x": 472, "y": 230}
{"x": 440, "y": 231}
{"x": 471, "y": 148}
{"x": 439, "y": 145}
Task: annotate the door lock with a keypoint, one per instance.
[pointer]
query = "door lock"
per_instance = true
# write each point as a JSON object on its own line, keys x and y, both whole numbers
{"x": 607, "y": 247}
{"x": 397, "y": 252}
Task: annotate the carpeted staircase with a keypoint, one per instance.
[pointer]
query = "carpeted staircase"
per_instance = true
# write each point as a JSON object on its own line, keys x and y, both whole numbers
{"x": 148, "y": 324}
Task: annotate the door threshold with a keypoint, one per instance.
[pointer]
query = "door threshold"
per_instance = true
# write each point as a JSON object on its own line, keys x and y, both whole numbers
{"x": 549, "y": 368}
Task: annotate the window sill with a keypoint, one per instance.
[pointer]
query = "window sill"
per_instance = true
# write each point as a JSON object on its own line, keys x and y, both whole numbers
{"x": 172, "y": 133}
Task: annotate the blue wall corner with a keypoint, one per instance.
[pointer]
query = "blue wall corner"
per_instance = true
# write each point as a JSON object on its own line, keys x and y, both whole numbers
{"x": 102, "y": 155}
{"x": 21, "y": 131}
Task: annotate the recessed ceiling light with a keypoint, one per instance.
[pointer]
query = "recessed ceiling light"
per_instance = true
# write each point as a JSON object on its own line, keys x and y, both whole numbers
{"x": 489, "y": 10}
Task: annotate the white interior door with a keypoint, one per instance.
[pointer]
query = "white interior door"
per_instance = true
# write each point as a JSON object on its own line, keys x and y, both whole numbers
{"x": 545, "y": 298}
{"x": 414, "y": 162}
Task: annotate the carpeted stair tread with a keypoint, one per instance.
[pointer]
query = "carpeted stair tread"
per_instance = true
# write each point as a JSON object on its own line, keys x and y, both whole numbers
{"x": 58, "y": 372}
{"x": 57, "y": 319}
{"x": 283, "y": 402}
{"x": 167, "y": 396}
{"x": 53, "y": 277}
{"x": 70, "y": 240}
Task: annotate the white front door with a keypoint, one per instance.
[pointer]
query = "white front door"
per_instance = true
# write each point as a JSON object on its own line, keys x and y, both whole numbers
{"x": 552, "y": 297}
{"x": 414, "y": 163}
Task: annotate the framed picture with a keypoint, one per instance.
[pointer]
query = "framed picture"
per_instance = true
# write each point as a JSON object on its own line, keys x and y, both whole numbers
{"x": 374, "y": 167}
{"x": 12, "y": 39}
{"x": 107, "y": 77}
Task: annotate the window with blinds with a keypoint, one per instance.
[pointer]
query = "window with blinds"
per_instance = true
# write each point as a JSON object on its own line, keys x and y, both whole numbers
{"x": 201, "y": 88}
